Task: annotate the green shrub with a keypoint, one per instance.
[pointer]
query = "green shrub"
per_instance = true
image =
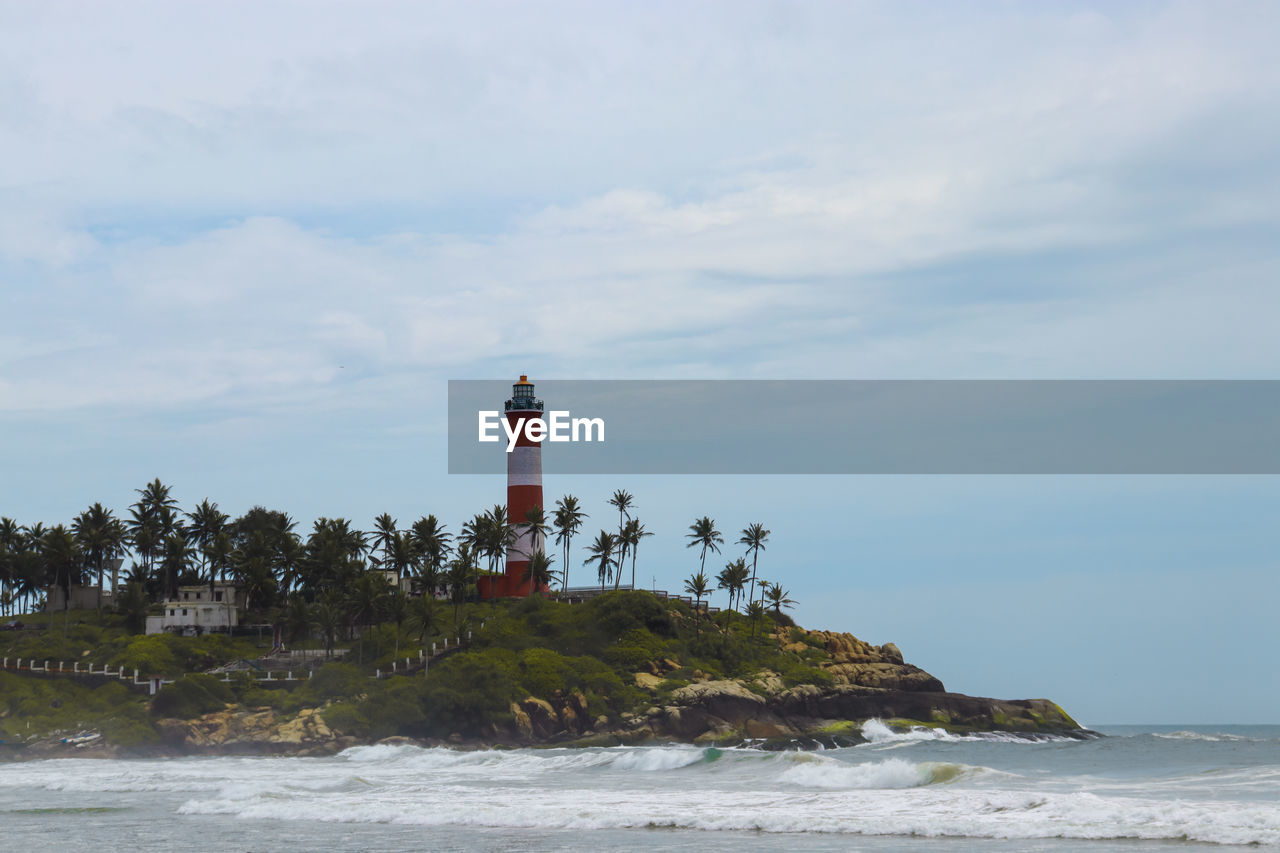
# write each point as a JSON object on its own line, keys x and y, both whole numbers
{"x": 190, "y": 696}
{"x": 621, "y": 611}
{"x": 150, "y": 655}
{"x": 345, "y": 718}
{"x": 337, "y": 681}
{"x": 396, "y": 709}
{"x": 627, "y": 658}
{"x": 471, "y": 690}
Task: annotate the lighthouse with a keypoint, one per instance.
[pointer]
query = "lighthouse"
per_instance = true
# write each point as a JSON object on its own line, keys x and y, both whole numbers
{"x": 524, "y": 491}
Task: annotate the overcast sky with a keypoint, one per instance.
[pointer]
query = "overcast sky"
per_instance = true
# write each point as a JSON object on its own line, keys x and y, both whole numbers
{"x": 243, "y": 246}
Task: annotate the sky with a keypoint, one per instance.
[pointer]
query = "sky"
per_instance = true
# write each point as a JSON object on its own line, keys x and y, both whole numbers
{"x": 244, "y": 246}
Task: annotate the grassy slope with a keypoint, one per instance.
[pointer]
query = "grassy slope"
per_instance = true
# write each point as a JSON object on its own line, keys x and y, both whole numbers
{"x": 530, "y": 647}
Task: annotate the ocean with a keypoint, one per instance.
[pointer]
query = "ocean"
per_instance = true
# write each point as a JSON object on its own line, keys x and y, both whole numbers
{"x": 1136, "y": 788}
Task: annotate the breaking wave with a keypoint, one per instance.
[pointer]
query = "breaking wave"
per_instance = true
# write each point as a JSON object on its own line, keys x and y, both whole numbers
{"x": 877, "y": 732}
{"x": 841, "y": 791}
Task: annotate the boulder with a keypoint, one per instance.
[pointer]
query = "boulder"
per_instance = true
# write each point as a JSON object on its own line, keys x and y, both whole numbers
{"x": 728, "y": 700}
{"x": 572, "y": 716}
{"x": 769, "y": 681}
{"x": 891, "y": 651}
{"x": 521, "y": 721}
{"x": 765, "y": 726}
{"x": 306, "y": 729}
{"x": 543, "y": 719}
{"x": 647, "y": 681}
{"x": 886, "y": 676}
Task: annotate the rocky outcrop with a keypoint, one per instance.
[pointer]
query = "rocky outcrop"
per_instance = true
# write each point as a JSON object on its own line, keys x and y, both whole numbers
{"x": 857, "y": 663}
{"x": 539, "y": 720}
{"x": 727, "y": 712}
{"x": 254, "y": 731}
{"x": 867, "y": 682}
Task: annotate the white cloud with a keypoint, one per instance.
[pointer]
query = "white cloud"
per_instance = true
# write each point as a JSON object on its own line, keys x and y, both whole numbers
{"x": 214, "y": 207}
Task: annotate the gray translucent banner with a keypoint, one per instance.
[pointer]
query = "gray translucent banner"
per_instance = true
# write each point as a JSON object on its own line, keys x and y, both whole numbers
{"x": 889, "y": 426}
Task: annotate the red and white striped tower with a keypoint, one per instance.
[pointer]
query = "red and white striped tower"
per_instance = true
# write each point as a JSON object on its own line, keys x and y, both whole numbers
{"x": 524, "y": 487}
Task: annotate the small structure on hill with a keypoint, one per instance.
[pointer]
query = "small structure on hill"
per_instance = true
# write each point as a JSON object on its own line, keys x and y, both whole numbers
{"x": 197, "y": 609}
{"x": 83, "y": 597}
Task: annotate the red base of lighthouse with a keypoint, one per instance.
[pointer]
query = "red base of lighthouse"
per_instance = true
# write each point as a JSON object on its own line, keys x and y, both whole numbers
{"x": 506, "y": 586}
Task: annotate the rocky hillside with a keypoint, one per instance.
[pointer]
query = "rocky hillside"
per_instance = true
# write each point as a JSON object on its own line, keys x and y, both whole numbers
{"x": 867, "y": 682}
{"x": 623, "y": 668}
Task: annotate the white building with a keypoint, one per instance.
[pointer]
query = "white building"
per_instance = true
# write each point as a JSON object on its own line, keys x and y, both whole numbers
{"x": 397, "y": 582}
{"x": 197, "y": 609}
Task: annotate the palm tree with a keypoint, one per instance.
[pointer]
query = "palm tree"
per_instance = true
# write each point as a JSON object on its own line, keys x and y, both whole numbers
{"x": 490, "y": 534}
{"x": 366, "y": 600}
{"x": 207, "y": 522}
{"x": 217, "y": 556}
{"x": 397, "y": 611}
{"x": 755, "y": 614}
{"x": 402, "y": 556}
{"x": 101, "y": 537}
{"x": 754, "y": 537}
{"x": 433, "y": 543}
{"x": 258, "y": 582}
{"x": 327, "y": 618}
{"x": 289, "y": 554}
{"x": 734, "y": 579}
{"x": 538, "y": 572}
{"x": 697, "y": 586}
{"x": 299, "y": 618}
{"x": 12, "y": 542}
{"x": 777, "y": 596}
{"x": 133, "y": 604}
{"x": 568, "y": 520}
{"x": 155, "y": 497}
{"x": 384, "y": 531}
{"x": 535, "y": 523}
{"x": 703, "y": 532}
{"x": 175, "y": 561}
{"x": 601, "y": 553}
{"x": 461, "y": 580}
{"x": 631, "y": 535}
{"x": 61, "y": 556}
{"x": 622, "y": 500}
{"x": 144, "y": 533}
{"x": 423, "y": 616}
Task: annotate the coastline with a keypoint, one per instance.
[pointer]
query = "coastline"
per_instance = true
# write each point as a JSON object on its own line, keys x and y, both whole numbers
{"x": 719, "y": 715}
